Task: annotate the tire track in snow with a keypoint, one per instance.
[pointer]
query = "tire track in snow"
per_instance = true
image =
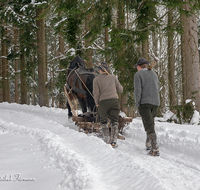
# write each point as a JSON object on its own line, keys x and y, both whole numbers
{"x": 76, "y": 175}
{"x": 109, "y": 169}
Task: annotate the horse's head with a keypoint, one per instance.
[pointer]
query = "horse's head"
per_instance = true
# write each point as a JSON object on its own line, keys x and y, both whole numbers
{"x": 76, "y": 63}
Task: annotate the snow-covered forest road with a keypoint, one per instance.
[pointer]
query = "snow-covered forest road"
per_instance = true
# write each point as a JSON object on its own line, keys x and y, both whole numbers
{"x": 42, "y": 145}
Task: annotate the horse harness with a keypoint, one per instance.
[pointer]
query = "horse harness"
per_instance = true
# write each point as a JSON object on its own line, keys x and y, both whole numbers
{"x": 78, "y": 72}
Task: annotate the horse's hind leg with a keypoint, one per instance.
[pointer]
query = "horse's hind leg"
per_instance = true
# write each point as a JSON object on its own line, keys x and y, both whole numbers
{"x": 82, "y": 103}
{"x": 69, "y": 110}
{"x": 89, "y": 97}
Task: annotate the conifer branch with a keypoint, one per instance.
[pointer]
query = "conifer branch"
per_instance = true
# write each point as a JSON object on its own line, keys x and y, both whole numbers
{"x": 152, "y": 23}
{"x": 140, "y": 6}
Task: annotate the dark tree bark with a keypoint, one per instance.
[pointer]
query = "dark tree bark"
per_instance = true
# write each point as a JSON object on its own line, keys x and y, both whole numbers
{"x": 23, "y": 88}
{"x": 5, "y": 75}
{"x": 41, "y": 57}
{"x": 171, "y": 62}
{"x": 16, "y": 68}
{"x": 190, "y": 58}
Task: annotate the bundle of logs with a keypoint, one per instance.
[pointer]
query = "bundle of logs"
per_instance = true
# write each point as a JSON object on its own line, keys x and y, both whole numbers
{"x": 89, "y": 123}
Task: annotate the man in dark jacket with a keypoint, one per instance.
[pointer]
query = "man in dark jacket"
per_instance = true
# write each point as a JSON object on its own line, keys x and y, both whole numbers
{"x": 105, "y": 89}
{"x": 146, "y": 93}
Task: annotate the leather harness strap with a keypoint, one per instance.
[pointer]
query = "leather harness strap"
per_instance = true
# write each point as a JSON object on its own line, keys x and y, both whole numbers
{"x": 78, "y": 72}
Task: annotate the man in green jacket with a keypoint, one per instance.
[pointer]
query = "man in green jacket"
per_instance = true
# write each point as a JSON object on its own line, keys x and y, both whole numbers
{"x": 105, "y": 89}
{"x": 146, "y": 93}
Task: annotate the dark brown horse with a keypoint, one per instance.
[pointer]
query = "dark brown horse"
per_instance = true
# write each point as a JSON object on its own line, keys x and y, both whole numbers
{"x": 79, "y": 85}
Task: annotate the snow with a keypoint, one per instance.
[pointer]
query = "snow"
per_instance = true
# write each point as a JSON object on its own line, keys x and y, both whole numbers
{"x": 195, "y": 118}
{"x": 188, "y": 101}
{"x": 63, "y": 20}
{"x": 169, "y": 115}
{"x": 41, "y": 149}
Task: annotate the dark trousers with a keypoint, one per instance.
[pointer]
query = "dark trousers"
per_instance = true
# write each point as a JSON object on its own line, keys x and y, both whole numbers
{"x": 109, "y": 109}
{"x": 148, "y": 112}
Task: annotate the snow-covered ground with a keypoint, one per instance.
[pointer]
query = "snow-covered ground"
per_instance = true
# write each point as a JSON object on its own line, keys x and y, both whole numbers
{"x": 41, "y": 149}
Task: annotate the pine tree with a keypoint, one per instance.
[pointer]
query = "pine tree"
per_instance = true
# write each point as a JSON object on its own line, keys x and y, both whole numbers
{"x": 19, "y": 15}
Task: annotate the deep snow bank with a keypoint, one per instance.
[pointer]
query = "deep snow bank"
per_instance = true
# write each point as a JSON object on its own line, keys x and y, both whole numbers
{"x": 59, "y": 155}
{"x": 174, "y": 138}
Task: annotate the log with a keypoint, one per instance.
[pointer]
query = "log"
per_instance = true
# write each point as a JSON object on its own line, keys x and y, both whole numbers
{"x": 87, "y": 126}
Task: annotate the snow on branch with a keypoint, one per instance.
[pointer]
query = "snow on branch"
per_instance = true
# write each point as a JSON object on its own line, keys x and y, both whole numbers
{"x": 58, "y": 57}
{"x": 32, "y": 3}
{"x": 60, "y": 21}
{"x": 3, "y": 57}
{"x": 39, "y": 3}
{"x": 99, "y": 47}
{"x": 19, "y": 17}
{"x": 34, "y": 83}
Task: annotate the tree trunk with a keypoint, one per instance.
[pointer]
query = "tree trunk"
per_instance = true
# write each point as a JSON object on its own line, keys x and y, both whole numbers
{"x": 34, "y": 88}
{"x": 121, "y": 16}
{"x": 106, "y": 43}
{"x": 52, "y": 85}
{"x": 41, "y": 57}
{"x": 45, "y": 71}
{"x": 1, "y": 82}
{"x": 16, "y": 68}
{"x": 23, "y": 88}
{"x": 123, "y": 98}
{"x": 89, "y": 51}
{"x": 145, "y": 49}
{"x": 61, "y": 100}
{"x": 190, "y": 58}
{"x": 5, "y": 76}
{"x": 61, "y": 48}
{"x": 171, "y": 63}
{"x": 23, "y": 79}
{"x": 162, "y": 74}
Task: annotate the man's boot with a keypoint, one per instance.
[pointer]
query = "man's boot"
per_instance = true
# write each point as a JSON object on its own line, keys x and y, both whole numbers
{"x": 154, "y": 148}
{"x": 148, "y": 143}
{"x": 105, "y": 132}
{"x": 114, "y": 135}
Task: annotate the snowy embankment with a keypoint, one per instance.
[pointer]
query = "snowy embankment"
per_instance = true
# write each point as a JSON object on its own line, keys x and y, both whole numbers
{"x": 173, "y": 137}
{"x": 86, "y": 162}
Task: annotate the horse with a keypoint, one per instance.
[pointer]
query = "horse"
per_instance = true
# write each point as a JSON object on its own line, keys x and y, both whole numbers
{"x": 79, "y": 85}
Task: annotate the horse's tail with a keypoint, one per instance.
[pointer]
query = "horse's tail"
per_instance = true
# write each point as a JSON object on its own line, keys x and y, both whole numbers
{"x": 89, "y": 97}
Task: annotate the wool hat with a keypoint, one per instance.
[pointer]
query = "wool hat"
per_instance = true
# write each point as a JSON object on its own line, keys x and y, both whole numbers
{"x": 103, "y": 66}
{"x": 141, "y": 61}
